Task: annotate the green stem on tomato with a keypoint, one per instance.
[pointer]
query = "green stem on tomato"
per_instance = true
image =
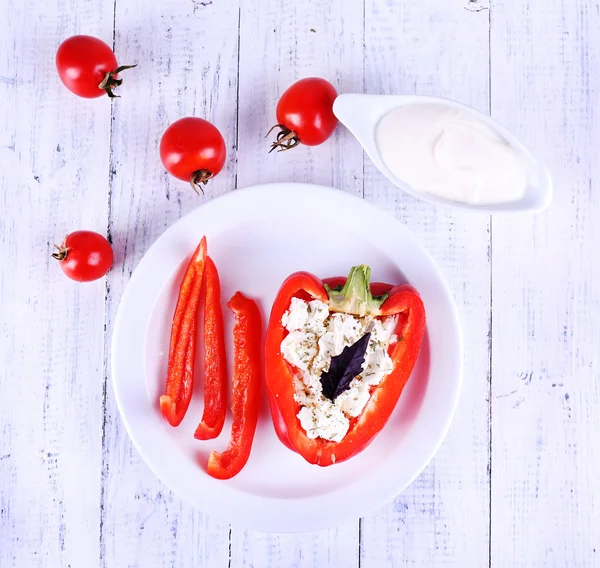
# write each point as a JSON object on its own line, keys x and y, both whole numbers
{"x": 200, "y": 177}
{"x": 110, "y": 81}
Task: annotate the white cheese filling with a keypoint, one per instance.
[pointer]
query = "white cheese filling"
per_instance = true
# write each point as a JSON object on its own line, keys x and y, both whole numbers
{"x": 315, "y": 336}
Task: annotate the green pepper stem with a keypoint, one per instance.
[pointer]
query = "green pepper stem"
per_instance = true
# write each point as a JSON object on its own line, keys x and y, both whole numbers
{"x": 355, "y": 297}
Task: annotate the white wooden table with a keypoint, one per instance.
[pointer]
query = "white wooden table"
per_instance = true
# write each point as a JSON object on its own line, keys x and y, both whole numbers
{"x": 517, "y": 481}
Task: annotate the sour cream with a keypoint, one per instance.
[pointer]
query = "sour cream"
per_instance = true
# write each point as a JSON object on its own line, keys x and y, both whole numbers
{"x": 450, "y": 153}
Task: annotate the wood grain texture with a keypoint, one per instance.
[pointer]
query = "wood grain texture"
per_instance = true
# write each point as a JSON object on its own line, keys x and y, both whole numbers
{"x": 546, "y": 277}
{"x": 443, "y": 517}
{"x": 187, "y": 66}
{"x": 279, "y": 35}
{"x": 53, "y": 179}
{"x": 73, "y": 489}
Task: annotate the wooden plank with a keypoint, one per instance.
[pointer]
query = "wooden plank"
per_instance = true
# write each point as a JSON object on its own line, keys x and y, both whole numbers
{"x": 187, "y": 55}
{"x": 441, "y": 49}
{"x": 279, "y": 35}
{"x": 337, "y": 547}
{"x": 546, "y": 338}
{"x": 53, "y": 180}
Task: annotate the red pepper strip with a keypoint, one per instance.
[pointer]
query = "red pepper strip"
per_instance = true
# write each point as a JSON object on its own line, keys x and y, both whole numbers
{"x": 402, "y": 300}
{"x": 182, "y": 349}
{"x": 215, "y": 362}
{"x": 245, "y": 401}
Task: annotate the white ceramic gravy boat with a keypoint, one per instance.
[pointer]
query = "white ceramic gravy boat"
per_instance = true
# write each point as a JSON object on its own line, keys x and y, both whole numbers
{"x": 361, "y": 113}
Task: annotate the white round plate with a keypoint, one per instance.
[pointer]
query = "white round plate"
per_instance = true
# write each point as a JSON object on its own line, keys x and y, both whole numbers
{"x": 257, "y": 237}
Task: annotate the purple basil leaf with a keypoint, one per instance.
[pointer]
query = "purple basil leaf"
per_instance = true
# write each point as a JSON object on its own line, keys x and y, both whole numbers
{"x": 344, "y": 367}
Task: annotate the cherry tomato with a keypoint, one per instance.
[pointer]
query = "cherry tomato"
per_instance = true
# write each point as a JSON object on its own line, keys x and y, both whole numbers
{"x": 88, "y": 67}
{"x": 192, "y": 149}
{"x": 84, "y": 256}
{"x": 305, "y": 114}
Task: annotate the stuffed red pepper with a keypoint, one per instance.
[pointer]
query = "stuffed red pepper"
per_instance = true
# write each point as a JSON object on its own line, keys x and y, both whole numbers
{"x": 338, "y": 354}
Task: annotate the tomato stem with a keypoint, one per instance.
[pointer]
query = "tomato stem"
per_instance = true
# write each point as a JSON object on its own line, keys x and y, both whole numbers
{"x": 110, "y": 81}
{"x": 200, "y": 177}
{"x": 61, "y": 253}
{"x": 286, "y": 139}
